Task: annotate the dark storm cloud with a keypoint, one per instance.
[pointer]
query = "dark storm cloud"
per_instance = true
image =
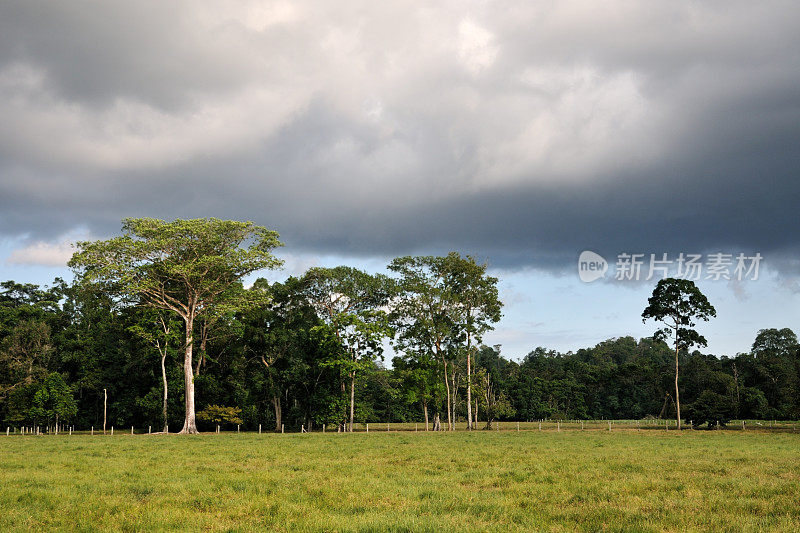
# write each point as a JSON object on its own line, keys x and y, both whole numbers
{"x": 523, "y": 135}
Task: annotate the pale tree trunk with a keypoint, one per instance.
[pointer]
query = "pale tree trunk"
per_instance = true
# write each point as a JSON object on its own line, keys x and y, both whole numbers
{"x": 487, "y": 395}
{"x": 447, "y": 386}
{"x": 736, "y": 380}
{"x": 425, "y": 411}
{"x": 189, "y": 424}
{"x": 469, "y": 387}
{"x": 276, "y": 402}
{"x": 276, "y": 399}
{"x": 343, "y": 422}
{"x": 455, "y": 398}
{"x": 677, "y": 394}
{"x": 475, "y": 424}
{"x": 164, "y": 382}
{"x": 677, "y": 397}
{"x": 352, "y": 397}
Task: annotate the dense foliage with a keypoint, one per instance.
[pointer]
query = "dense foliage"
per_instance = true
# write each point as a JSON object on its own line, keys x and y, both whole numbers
{"x": 60, "y": 346}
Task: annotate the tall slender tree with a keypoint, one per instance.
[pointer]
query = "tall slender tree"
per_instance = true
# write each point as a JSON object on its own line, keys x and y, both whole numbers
{"x": 353, "y": 304}
{"x": 444, "y": 307}
{"x": 477, "y": 307}
{"x": 424, "y": 314}
{"x": 159, "y": 331}
{"x": 678, "y": 303}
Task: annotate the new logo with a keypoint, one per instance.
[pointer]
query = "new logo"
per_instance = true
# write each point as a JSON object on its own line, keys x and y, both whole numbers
{"x": 591, "y": 266}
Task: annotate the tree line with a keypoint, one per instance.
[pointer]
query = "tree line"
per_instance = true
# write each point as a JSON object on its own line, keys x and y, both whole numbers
{"x": 159, "y": 320}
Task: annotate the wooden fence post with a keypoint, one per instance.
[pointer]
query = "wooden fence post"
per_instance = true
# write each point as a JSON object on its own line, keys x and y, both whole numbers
{"x": 281, "y": 428}
{"x": 112, "y": 431}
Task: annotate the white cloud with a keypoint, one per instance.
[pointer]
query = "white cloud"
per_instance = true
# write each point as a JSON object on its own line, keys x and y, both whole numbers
{"x": 477, "y": 49}
{"x": 42, "y": 253}
{"x": 256, "y": 16}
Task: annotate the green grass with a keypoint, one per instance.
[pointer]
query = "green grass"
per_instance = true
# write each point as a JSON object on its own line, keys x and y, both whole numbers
{"x": 553, "y": 481}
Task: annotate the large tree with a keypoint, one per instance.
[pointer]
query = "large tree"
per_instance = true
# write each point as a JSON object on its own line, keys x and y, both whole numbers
{"x": 424, "y": 315}
{"x": 477, "y": 306}
{"x": 445, "y": 306}
{"x": 777, "y": 342}
{"x": 352, "y": 303}
{"x": 187, "y": 267}
{"x": 678, "y": 303}
{"x": 775, "y": 366}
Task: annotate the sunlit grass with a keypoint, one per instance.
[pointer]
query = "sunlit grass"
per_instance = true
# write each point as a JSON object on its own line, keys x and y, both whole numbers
{"x": 527, "y": 480}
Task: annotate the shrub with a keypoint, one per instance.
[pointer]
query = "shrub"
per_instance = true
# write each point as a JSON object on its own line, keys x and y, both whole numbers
{"x": 219, "y": 414}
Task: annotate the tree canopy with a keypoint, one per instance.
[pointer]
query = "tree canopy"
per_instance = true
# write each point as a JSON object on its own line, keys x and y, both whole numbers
{"x": 192, "y": 268}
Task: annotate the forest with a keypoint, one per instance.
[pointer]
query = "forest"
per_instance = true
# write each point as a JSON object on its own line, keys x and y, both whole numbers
{"x": 312, "y": 350}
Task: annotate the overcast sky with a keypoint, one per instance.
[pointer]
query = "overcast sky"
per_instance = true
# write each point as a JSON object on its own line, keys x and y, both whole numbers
{"x": 521, "y": 132}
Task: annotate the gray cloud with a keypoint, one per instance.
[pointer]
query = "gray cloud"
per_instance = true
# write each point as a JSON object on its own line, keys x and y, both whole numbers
{"x": 523, "y": 132}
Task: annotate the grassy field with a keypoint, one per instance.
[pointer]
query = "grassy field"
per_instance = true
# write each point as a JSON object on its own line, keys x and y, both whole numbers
{"x": 503, "y": 480}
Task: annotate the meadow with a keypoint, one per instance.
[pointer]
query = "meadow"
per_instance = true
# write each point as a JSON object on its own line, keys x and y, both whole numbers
{"x": 622, "y": 480}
